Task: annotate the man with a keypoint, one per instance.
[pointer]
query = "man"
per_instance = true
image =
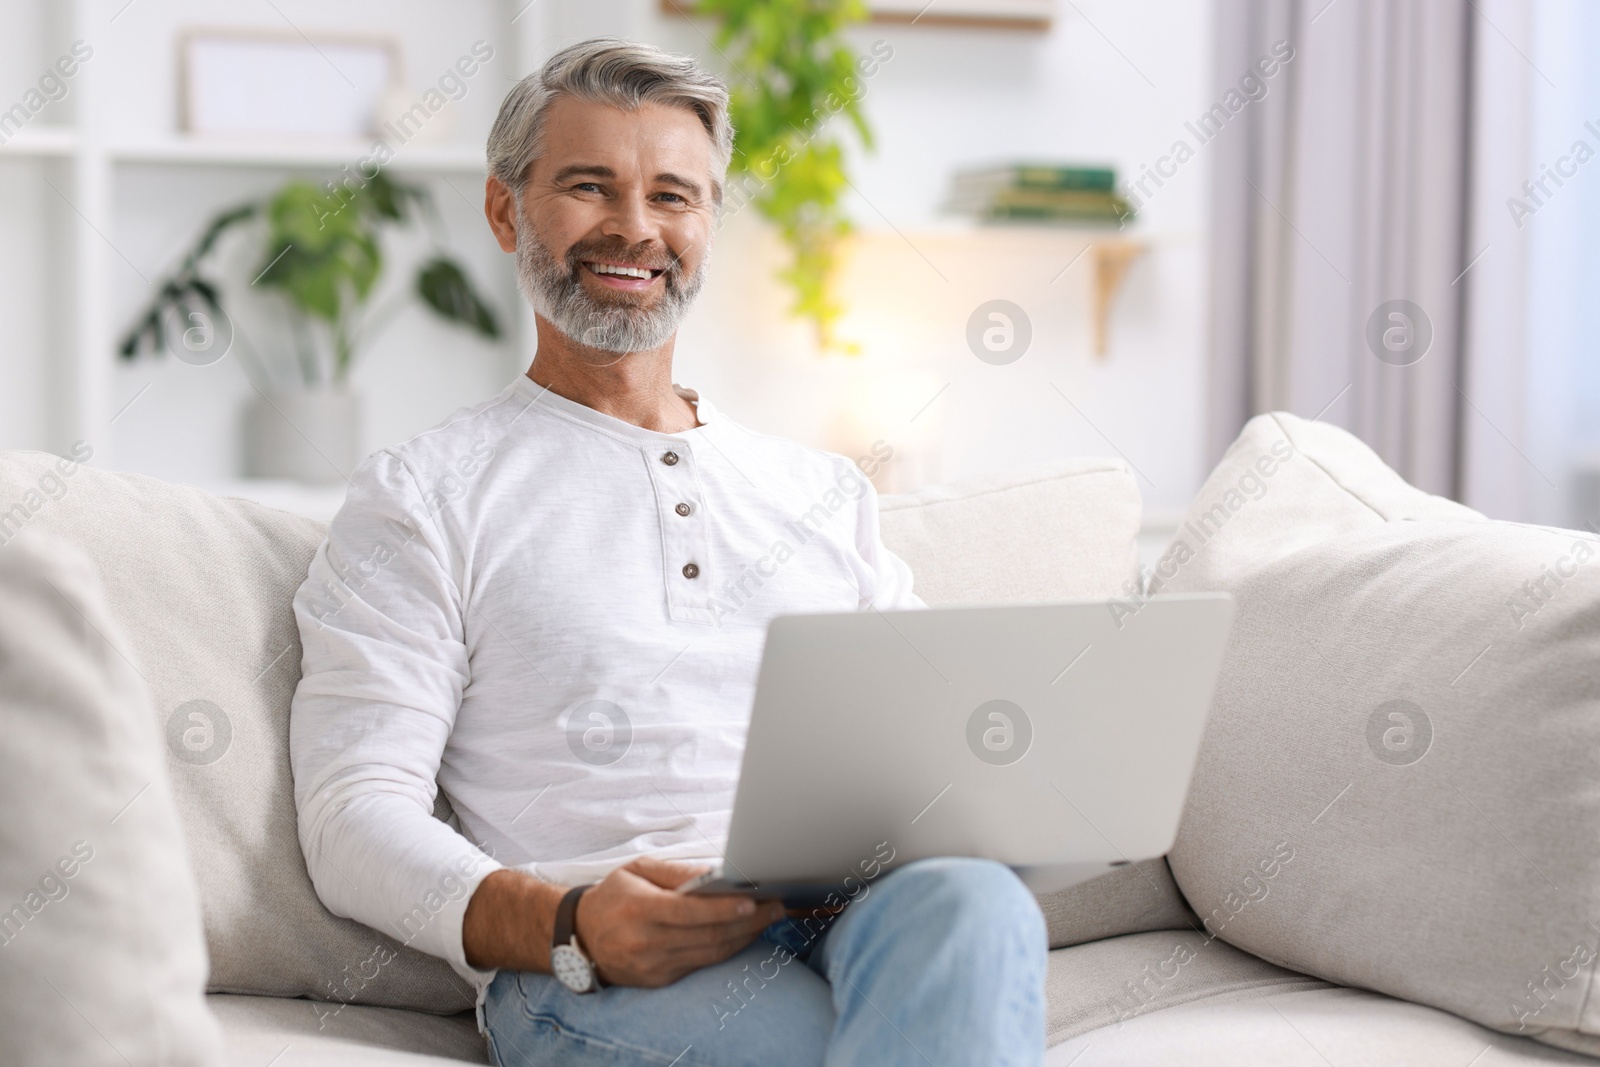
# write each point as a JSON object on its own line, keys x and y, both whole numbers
{"x": 551, "y": 606}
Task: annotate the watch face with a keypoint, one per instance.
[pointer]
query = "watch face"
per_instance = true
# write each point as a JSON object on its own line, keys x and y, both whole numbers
{"x": 571, "y": 968}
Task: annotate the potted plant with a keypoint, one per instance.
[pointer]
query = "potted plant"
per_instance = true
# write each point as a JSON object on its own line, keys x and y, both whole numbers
{"x": 321, "y": 253}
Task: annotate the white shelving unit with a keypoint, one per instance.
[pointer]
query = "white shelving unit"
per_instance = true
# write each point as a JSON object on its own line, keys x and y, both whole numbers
{"x": 41, "y": 142}
{"x": 87, "y": 163}
{"x": 211, "y": 152}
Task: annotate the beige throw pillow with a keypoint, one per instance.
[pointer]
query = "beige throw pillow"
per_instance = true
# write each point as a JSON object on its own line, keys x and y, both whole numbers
{"x": 102, "y": 962}
{"x": 1396, "y": 789}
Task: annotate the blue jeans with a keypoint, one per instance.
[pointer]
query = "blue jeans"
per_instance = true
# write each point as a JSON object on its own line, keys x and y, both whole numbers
{"x": 939, "y": 962}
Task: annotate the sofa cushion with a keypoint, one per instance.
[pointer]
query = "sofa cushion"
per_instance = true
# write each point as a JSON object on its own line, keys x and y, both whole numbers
{"x": 1129, "y": 900}
{"x": 257, "y": 1029}
{"x": 1111, "y": 982}
{"x": 1276, "y": 1026}
{"x": 1051, "y": 533}
{"x": 1396, "y": 785}
{"x": 203, "y": 586}
{"x": 1060, "y": 532}
{"x": 102, "y": 959}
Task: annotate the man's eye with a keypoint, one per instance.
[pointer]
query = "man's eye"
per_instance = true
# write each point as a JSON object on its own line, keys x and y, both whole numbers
{"x": 586, "y": 186}
{"x": 675, "y": 196}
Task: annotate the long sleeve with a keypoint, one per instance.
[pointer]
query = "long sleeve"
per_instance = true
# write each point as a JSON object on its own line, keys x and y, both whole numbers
{"x": 383, "y": 672}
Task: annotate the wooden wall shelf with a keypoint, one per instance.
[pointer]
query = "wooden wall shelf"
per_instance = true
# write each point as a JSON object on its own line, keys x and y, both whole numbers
{"x": 1112, "y": 258}
{"x": 1035, "y": 266}
{"x": 1029, "y": 15}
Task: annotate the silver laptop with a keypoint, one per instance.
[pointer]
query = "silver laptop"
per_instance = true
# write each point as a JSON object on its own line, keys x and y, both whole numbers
{"x": 1058, "y": 739}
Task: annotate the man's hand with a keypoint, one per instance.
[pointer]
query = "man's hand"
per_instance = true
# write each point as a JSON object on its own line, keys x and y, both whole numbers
{"x": 633, "y": 925}
{"x": 640, "y": 932}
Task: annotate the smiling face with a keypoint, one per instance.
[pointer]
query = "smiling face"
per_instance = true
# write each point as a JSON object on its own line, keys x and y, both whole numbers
{"x": 615, "y": 222}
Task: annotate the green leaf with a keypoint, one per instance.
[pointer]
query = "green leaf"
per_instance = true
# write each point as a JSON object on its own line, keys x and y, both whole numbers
{"x": 314, "y": 286}
{"x": 445, "y": 288}
{"x": 385, "y": 198}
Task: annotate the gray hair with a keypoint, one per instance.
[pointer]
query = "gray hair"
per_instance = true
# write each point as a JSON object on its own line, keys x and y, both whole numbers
{"x": 607, "y": 70}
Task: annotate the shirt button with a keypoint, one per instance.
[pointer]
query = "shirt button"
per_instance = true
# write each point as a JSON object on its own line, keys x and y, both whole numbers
{"x": 669, "y": 458}
{"x": 683, "y": 509}
{"x": 691, "y": 570}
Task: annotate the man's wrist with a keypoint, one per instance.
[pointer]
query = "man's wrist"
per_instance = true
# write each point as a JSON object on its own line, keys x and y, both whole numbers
{"x": 509, "y": 921}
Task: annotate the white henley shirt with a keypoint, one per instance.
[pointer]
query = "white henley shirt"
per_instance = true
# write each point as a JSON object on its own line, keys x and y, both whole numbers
{"x": 556, "y": 617}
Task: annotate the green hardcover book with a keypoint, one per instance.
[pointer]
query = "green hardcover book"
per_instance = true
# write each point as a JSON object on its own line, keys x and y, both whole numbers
{"x": 1043, "y": 203}
{"x": 1114, "y": 210}
{"x": 1036, "y": 176}
{"x": 1055, "y": 199}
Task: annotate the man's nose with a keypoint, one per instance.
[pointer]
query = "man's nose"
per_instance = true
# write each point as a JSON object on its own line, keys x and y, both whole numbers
{"x": 629, "y": 218}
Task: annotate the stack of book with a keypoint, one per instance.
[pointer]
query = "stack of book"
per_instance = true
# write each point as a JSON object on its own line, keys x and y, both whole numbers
{"x": 1039, "y": 192}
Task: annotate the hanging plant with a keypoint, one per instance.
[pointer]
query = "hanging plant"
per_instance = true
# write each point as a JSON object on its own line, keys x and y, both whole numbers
{"x": 794, "y": 71}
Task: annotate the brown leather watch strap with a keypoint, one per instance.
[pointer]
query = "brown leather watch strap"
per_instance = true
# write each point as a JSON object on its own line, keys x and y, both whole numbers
{"x": 566, "y": 924}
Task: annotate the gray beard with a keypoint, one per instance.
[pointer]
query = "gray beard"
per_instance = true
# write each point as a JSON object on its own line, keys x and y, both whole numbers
{"x": 556, "y": 292}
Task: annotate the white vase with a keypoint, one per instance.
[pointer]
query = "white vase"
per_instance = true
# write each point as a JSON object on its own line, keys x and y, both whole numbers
{"x": 309, "y": 436}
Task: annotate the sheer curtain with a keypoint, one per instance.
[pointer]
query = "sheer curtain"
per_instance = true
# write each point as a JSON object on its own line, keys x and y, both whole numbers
{"x": 1341, "y": 191}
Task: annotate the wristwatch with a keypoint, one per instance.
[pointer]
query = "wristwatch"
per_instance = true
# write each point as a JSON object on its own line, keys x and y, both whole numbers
{"x": 568, "y": 962}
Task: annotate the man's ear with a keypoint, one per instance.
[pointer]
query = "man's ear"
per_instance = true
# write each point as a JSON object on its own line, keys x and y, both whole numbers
{"x": 500, "y": 208}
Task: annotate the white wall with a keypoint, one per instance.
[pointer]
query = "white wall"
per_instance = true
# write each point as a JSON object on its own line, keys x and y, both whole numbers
{"x": 1111, "y": 81}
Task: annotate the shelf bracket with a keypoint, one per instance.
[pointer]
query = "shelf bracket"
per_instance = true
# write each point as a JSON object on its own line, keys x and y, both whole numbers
{"x": 1112, "y": 258}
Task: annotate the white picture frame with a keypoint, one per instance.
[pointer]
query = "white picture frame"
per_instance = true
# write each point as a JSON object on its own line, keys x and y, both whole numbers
{"x": 244, "y": 84}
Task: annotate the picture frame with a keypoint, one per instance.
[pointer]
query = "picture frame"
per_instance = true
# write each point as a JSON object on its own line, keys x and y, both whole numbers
{"x": 261, "y": 83}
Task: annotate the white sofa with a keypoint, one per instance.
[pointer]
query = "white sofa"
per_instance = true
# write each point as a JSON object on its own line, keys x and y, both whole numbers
{"x": 1347, "y": 888}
